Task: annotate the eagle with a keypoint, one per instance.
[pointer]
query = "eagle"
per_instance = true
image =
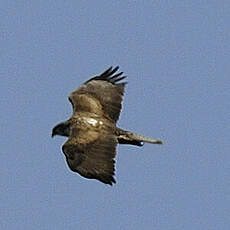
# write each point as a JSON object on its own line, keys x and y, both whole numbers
{"x": 91, "y": 130}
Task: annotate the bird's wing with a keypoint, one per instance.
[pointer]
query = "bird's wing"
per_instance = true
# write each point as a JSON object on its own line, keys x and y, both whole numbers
{"x": 101, "y": 95}
{"x": 92, "y": 156}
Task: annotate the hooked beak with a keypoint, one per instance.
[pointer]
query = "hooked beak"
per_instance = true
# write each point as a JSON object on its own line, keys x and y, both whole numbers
{"x": 52, "y": 134}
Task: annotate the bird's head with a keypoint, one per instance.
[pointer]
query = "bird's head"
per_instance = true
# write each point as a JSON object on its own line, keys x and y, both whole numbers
{"x": 62, "y": 129}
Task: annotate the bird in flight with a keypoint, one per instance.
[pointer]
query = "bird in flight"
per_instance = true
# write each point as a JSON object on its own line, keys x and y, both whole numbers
{"x": 91, "y": 130}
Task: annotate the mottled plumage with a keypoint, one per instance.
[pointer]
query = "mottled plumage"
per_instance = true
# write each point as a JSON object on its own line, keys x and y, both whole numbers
{"x": 92, "y": 133}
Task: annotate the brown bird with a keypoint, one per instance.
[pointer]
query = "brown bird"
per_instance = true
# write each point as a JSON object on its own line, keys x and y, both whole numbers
{"x": 92, "y": 132}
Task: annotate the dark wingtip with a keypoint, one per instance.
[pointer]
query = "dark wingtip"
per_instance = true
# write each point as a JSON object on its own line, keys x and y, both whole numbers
{"x": 114, "y": 70}
{"x": 108, "y": 76}
{"x": 112, "y": 181}
{"x": 106, "y": 72}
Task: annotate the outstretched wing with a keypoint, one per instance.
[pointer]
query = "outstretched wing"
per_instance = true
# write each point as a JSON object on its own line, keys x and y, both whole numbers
{"x": 101, "y": 95}
{"x": 93, "y": 159}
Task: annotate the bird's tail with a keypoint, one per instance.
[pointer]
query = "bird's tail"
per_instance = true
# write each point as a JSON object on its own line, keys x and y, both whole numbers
{"x": 126, "y": 137}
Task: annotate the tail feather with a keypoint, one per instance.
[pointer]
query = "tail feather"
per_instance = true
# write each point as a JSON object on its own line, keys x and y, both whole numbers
{"x": 126, "y": 137}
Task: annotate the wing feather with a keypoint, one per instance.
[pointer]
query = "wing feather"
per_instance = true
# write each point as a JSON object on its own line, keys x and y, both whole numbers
{"x": 101, "y": 95}
{"x": 94, "y": 159}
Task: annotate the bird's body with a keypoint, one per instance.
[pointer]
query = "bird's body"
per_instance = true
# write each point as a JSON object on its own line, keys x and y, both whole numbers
{"x": 92, "y": 132}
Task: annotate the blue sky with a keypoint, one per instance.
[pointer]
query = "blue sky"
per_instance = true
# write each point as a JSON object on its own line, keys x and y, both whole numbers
{"x": 176, "y": 57}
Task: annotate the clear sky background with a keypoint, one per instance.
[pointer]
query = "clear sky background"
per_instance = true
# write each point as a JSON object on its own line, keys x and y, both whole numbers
{"x": 176, "y": 55}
